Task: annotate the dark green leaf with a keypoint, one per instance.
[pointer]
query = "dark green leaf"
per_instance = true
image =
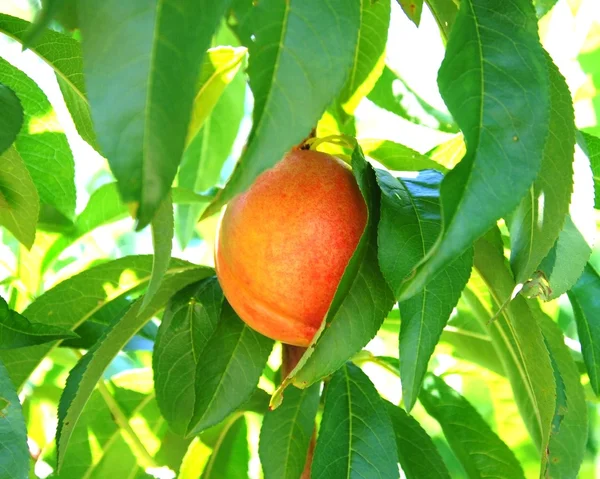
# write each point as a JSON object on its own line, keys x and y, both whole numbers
{"x": 63, "y": 54}
{"x": 591, "y": 146}
{"x": 418, "y": 455}
{"x": 412, "y": 9}
{"x": 297, "y": 65}
{"x": 205, "y": 155}
{"x": 369, "y": 53}
{"x": 188, "y": 323}
{"x": 163, "y": 229}
{"x": 286, "y": 433}
{"x": 481, "y": 452}
{"x": 16, "y": 331}
{"x": 519, "y": 342}
{"x": 585, "y": 299}
{"x": 88, "y": 371}
{"x": 444, "y": 12}
{"x": 536, "y": 223}
{"x": 362, "y": 299}
{"x": 19, "y": 200}
{"x": 501, "y": 103}
{"x": 356, "y": 438}
{"x": 228, "y": 371}
{"x": 568, "y": 438}
{"x": 79, "y": 298}
{"x": 11, "y": 119}
{"x": 410, "y": 223}
{"x": 397, "y": 157}
{"x": 41, "y": 144}
{"x": 14, "y": 453}
{"x": 142, "y": 119}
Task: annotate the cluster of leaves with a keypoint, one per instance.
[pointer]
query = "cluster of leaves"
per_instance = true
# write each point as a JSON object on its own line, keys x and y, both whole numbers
{"x": 448, "y": 245}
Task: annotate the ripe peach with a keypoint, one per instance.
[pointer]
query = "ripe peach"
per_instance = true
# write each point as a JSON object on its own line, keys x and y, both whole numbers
{"x": 283, "y": 245}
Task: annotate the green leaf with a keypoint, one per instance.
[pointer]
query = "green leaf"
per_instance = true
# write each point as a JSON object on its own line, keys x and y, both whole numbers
{"x": 568, "y": 438}
{"x": 231, "y": 456}
{"x": 450, "y": 152}
{"x": 566, "y": 260}
{"x": 412, "y": 9}
{"x": 369, "y": 53}
{"x": 16, "y": 331}
{"x": 591, "y": 147}
{"x": 14, "y": 453}
{"x": 362, "y": 299}
{"x": 19, "y": 200}
{"x": 11, "y": 120}
{"x": 518, "y": 340}
{"x": 536, "y": 223}
{"x": 63, "y": 54}
{"x": 356, "y": 435}
{"x": 296, "y": 68}
{"x": 417, "y": 454}
{"x": 501, "y": 103}
{"x": 481, "y": 452}
{"x": 88, "y": 371}
{"x": 410, "y": 223}
{"x": 163, "y": 229}
{"x": 286, "y": 433}
{"x": 79, "y": 298}
{"x": 228, "y": 370}
{"x": 585, "y": 299}
{"x": 45, "y": 15}
{"x": 397, "y": 157}
{"x": 444, "y": 12}
{"x": 205, "y": 155}
{"x": 543, "y": 6}
{"x": 189, "y": 321}
{"x": 41, "y": 143}
{"x": 142, "y": 120}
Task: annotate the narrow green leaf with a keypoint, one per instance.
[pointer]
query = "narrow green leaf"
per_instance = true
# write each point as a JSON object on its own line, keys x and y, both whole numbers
{"x": 11, "y": 120}
{"x": 566, "y": 260}
{"x": 230, "y": 457}
{"x": 14, "y": 453}
{"x": 163, "y": 229}
{"x": 157, "y": 45}
{"x": 568, "y": 438}
{"x": 228, "y": 370}
{"x": 63, "y": 54}
{"x": 362, "y": 299}
{"x": 412, "y": 9}
{"x": 296, "y": 68}
{"x": 205, "y": 155}
{"x": 41, "y": 143}
{"x": 79, "y": 298}
{"x": 591, "y": 147}
{"x": 356, "y": 435}
{"x": 369, "y": 53}
{"x": 46, "y": 14}
{"x": 585, "y": 299}
{"x": 397, "y": 157}
{"x": 19, "y": 200}
{"x": 518, "y": 340}
{"x": 195, "y": 460}
{"x": 417, "y": 454}
{"x": 410, "y": 223}
{"x": 189, "y": 321}
{"x": 481, "y": 452}
{"x": 286, "y": 433}
{"x": 444, "y": 12}
{"x": 88, "y": 371}
{"x": 16, "y": 331}
{"x": 536, "y": 223}
{"x": 501, "y": 103}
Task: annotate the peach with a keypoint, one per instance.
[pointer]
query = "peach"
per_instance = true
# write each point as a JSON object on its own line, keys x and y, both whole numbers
{"x": 283, "y": 245}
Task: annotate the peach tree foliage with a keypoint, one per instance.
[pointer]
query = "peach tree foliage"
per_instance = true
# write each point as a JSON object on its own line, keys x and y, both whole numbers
{"x": 443, "y": 351}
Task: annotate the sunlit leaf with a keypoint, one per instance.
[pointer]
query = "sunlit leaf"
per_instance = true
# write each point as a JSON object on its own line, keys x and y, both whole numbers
{"x": 356, "y": 435}
{"x": 142, "y": 119}
{"x": 495, "y": 83}
{"x": 481, "y": 452}
{"x": 298, "y": 62}
{"x": 412, "y": 9}
{"x": 398, "y": 157}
